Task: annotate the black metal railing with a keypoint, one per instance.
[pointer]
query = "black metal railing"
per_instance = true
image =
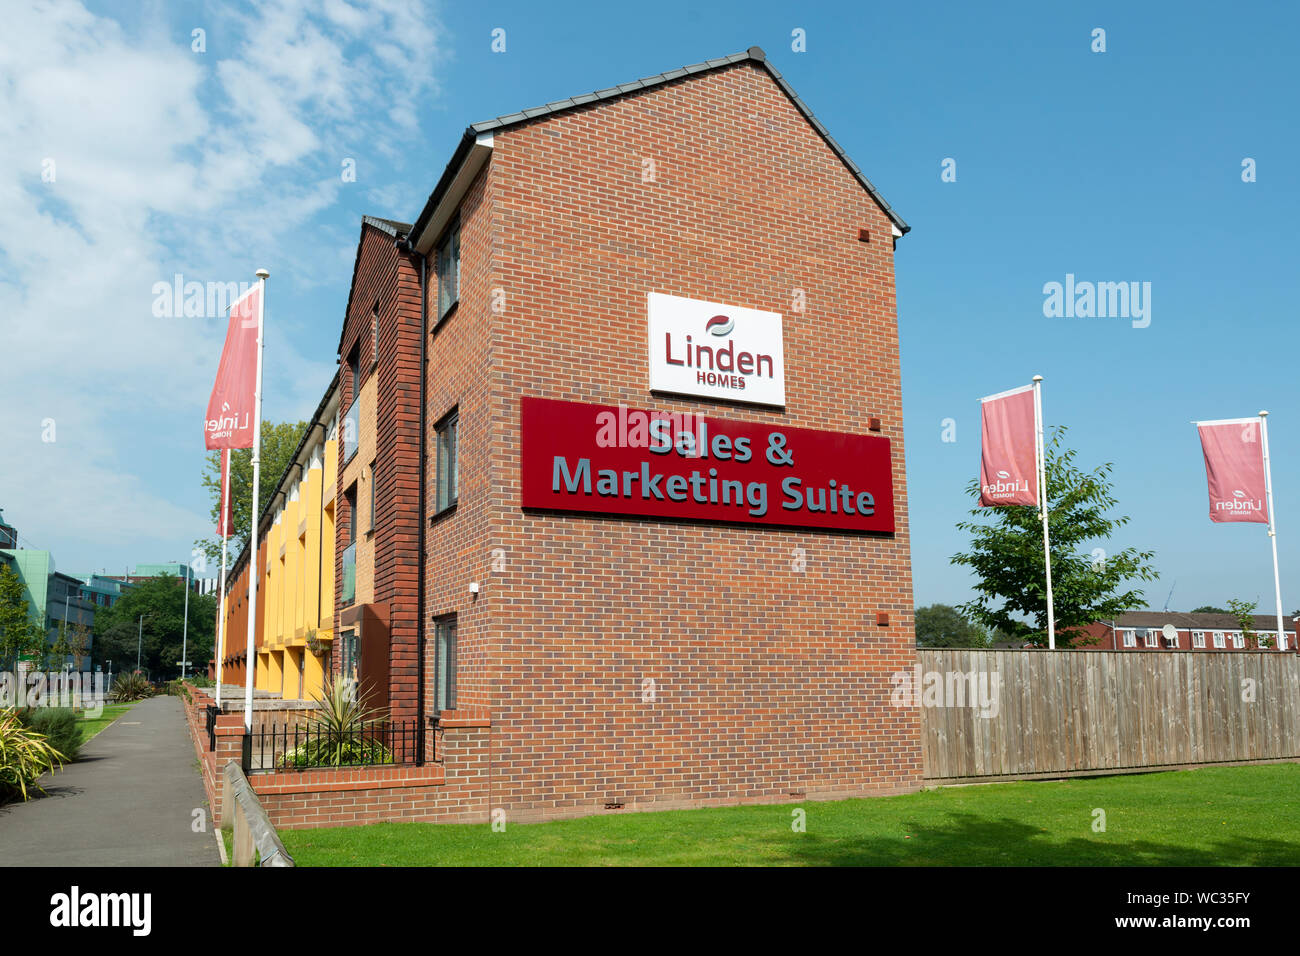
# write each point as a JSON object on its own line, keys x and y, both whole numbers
{"x": 211, "y": 712}
{"x": 311, "y": 746}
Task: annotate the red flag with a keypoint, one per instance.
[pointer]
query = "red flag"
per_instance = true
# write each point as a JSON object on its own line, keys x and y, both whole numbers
{"x": 1234, "y": 469}
{"x": 223, "y": 522}
{"x": 230, "y": 409}
{"x": 1009, "y": 449}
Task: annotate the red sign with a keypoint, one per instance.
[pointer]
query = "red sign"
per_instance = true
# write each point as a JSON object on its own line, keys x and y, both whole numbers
{"x": 231, "y": 408}
{"x": 1009, "y": 449}
{"x": 1234, "y": 470}
{"x": 600, "y": 459}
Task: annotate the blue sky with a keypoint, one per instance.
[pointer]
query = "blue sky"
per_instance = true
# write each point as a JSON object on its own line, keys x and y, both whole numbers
{"x": 1115, "y": 166}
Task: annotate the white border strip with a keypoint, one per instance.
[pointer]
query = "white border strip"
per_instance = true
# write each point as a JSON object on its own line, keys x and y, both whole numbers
{"x": 1010, "y": 391}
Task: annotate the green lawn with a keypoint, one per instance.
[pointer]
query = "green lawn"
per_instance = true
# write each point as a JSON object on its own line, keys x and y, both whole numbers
{"x": 1234, "y": 816}
{"x": 93, "y": 725}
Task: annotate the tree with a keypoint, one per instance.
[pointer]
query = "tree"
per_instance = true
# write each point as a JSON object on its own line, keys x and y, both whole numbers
{"x": 70, "y": 642}
{"x": 20, "y": 633}
{"x": 1244, "y": 612}
{"x": 941, "y": 625}
{"x": 1007, "y": 557}
{"x": 162, "y": 602}
{"x": 1210, "y": 609}
{"x": 279, "y": 442}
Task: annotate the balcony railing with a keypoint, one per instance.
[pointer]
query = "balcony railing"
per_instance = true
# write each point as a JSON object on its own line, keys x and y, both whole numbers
{"x": 315, "y": 746}
{"x": 350, "y": 573}
{"x": 351, "y": 431}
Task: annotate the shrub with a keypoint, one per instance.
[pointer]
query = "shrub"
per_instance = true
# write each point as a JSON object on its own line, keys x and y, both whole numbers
{"x": 337, "y": 735}
{"x": 132, "y": 686}
{"x": 24, "y": 756}
{"x": 59, "y": 726}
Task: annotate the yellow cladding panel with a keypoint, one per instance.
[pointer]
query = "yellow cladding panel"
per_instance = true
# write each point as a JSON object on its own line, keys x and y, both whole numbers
{"x": 298, "y": 584}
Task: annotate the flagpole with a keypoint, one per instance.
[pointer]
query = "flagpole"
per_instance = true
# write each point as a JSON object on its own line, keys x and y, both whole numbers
{"x": 1272, "y": 527}
{"x": 221, "y": 623}
{"x": 250, "y": 650}
{"x": 1042, "y": 505}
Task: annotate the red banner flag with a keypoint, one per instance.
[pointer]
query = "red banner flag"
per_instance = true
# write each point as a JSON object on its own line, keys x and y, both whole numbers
{"x": 1009, "y": 449}
{"x": 1234, "y": 470}
{"x": 230, "y": 409}
{"x": 223, "y": 522}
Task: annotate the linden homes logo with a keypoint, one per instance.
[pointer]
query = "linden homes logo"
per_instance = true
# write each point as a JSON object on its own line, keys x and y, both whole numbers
{"x": 1241, "y": 502}
{"x": 718, "y": 351}
{"x": 720, "y": 325}
{"x": 1005, "y": 486}
{"x": 227, "y": 424}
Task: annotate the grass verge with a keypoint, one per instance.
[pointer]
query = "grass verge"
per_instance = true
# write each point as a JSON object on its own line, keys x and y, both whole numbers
{"x": 1229, "y": 816}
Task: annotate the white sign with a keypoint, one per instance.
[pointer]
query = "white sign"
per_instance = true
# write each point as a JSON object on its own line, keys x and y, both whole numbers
{"x": 719, "y": 351}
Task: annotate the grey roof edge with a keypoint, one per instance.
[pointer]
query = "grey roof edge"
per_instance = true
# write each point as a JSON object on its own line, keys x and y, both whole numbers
{"x": 391, "y": 226}
{"x": 754, "y": 54}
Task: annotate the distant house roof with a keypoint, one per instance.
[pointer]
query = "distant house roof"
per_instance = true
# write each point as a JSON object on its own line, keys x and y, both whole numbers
{"x": 1200, "y": 622}
{"x": 754, "y": 55}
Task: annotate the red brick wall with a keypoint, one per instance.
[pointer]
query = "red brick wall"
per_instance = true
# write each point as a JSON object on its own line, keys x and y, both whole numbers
{"x": 769, "y": 682}
{"x": 386, "y": 277}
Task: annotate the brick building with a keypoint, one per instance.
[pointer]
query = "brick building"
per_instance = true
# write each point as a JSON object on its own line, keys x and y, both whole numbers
{"x": 637, "y": 537}
{"x": 1144, "y": 631}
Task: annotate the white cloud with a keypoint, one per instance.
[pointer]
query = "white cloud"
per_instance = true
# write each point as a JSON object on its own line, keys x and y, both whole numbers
{"x": 167, "y": 161}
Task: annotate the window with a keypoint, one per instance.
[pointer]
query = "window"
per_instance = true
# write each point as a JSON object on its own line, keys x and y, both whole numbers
{"x": 448, "y": 268}
{"x": 348, "y": 586}
{"x": 1238, "y": 640}
{"x": 1198, "y": 638}
{"x": 1130, "y": 638}
{"x": 448, "y": 475}
{"x": 1218, "y": 640}
{"x": 444, "y": 693}
{"x": 1172, "y": 642}
{"x": 1152, "y": 638}
{"x": 350, "y": 496}
{"x": 374, "y": 334}
{"x": 351, "y": 655}
{"x": 371, "y": 528}
{"x": 354, "y": 371}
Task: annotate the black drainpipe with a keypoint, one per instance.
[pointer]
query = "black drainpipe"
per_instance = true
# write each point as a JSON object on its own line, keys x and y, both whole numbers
{"x": 405, "y": 246}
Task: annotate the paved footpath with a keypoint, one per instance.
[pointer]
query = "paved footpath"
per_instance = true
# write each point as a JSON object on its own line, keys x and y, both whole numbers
{"x": 128, "y": 801}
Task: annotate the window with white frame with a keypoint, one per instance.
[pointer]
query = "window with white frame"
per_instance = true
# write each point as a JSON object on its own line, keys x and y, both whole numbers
{"x": 1198, "y": 638}
{"x": 1130, "y": 637}
{"x": 1238, "y": 640}
{"x": 1152, "y": 637}
{"x": 1219, "y": 640}
{"x": 1172, "y": 641}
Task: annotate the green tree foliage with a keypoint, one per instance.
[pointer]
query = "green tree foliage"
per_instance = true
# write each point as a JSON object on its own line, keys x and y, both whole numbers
{"x": 941, "y": 625}
{"x": 162, "y": 602}
{"x": 279, "y": 442}
{"x": 1210, "y": 609}
{"x": 20, "y": 632}
{"x": 71, "y": 641}
{"x": 1244, "y": 612}
{"x": 1006, "y": 555}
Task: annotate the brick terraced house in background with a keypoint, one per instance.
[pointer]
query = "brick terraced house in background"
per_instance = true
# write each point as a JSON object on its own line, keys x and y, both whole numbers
{"x": 1144, "y": 630}
{"x": 637, "y": 537}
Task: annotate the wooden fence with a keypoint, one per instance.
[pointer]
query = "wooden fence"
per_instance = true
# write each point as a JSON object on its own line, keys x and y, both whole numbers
{"x": 1076, "y": 712}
